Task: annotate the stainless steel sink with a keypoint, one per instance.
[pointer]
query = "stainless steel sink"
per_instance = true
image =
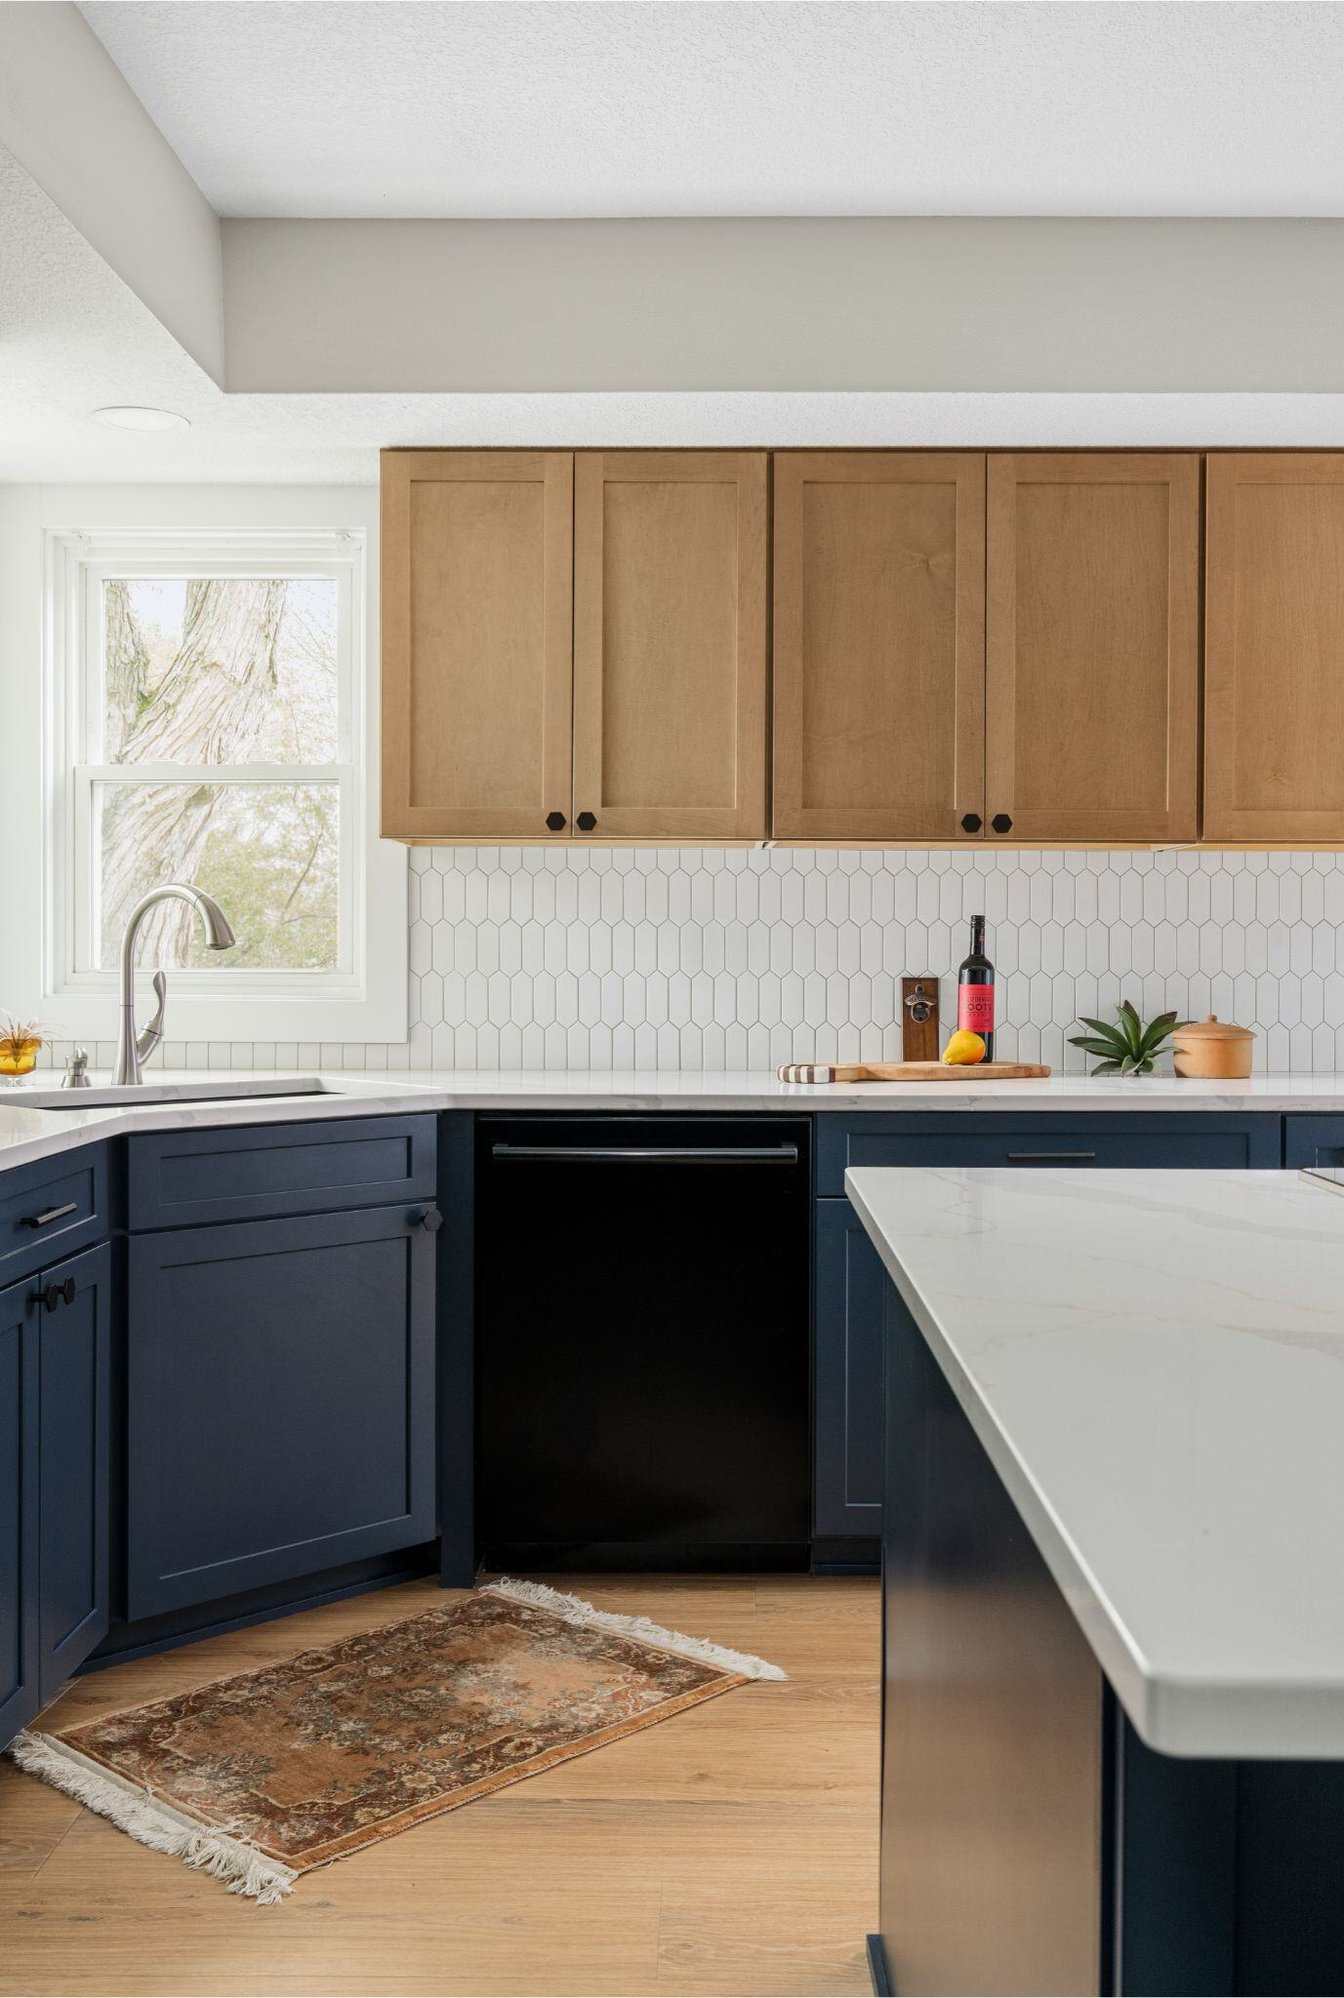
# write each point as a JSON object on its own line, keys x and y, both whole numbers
{"x": 206, "y": 1089}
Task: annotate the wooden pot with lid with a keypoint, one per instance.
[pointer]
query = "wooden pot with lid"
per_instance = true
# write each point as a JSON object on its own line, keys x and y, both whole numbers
{"x": 1212, "y": 1048}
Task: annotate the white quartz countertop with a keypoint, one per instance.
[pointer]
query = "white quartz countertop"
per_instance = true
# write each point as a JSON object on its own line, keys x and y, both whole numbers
{"x": 1154, "y": 1362}
{"x": 31, "y": 1130}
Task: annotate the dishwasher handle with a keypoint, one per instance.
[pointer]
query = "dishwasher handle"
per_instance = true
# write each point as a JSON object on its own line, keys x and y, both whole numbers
{"x": 650, "y": 1154}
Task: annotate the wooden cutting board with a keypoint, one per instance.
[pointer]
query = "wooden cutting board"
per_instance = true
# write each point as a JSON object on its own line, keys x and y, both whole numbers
{"x": 912, "y": 1071}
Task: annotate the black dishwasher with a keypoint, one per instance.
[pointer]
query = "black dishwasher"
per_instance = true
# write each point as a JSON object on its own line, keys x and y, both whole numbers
{"x": 642, "y": 1342}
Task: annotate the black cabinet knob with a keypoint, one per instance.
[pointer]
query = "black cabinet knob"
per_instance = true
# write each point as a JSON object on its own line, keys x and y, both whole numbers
{"x": 53, "y": 1294}
{"x": 555, "y": 821}
{"x": 585, "y": 822}
{"x": 972, "y": 822}
{"x": 428, "y": 1218}
{"x": 1001, "y": 822}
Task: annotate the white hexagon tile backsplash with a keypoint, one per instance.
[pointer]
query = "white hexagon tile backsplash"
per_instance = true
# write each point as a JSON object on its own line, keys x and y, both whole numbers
{"x": 587, "y": 957}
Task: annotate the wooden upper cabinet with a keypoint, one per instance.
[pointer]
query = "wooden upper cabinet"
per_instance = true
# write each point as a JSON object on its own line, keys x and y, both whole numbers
{"x": 477, "y": 620}
{"x": 1274, "y": 647}
{"x": 1092, "y": 686}
{"x": 879, "y": 645}
{"x": 670, "y": 644}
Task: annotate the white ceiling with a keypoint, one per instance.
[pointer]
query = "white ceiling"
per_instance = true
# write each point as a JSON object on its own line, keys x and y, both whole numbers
{"x": 342, "y": 108}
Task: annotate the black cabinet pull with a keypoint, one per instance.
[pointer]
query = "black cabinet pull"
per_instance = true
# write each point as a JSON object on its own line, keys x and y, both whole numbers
{"x": 585, "y": 822}
{"x": 972, "y": 822}
{"x": 53, "y": 1294}
{"x": 52, "y": 1214}
{"x": 1049, "y": 1158}
{"x": 428, "y": 1218}
{"x": 555, "y": 821}
{"x": 1001, "y": 822}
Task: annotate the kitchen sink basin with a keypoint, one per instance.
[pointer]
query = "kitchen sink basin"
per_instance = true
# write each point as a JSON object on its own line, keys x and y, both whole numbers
{"x": 185, "y": 1089}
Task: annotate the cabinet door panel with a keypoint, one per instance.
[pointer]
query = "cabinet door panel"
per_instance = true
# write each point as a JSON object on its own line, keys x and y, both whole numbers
{"x": 281, "y": 1401}
{"x": 18, "y": 1510}
{"x": 878, "y": 644}
{"x": 1274, "y": 647}
{"x": 670, "y": 644}
{"x": 1092, "y": 683}
{"x": 477, "y": 616}
{"x": 847, "y": 1374}
{"x": 75, "y": 1343}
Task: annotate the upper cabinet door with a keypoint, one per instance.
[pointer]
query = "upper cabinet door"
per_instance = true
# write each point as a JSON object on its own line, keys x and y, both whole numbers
{"x": 1093, "y": 647}
{"x": 477, "y": 618}
{"x": 879, "y": 645}
{"x": 1274, "y": 647}
{"x": 670, "y": 644}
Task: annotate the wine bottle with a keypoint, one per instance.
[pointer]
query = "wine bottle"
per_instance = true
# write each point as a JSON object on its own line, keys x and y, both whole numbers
{"x": 975, "y": 990}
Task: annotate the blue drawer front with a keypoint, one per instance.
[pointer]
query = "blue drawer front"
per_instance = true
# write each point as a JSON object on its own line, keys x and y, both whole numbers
{"x": 1063, "y": 1138}
{"x": 50, "y": 1209}
{"x": 183, "y": 1179}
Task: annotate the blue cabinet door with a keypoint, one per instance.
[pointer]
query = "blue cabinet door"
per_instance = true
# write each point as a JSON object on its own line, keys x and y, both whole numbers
{"x": 847, "y": 1352}
{"x": 280, "y": 1401}
{"x": 19, "y": 1697}
{"x": 847, "y": 1377}
{"x": 74, "y": 1366}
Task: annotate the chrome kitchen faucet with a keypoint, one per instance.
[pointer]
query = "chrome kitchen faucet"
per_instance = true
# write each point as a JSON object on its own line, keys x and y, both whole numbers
{"x": 133, "y": 1049}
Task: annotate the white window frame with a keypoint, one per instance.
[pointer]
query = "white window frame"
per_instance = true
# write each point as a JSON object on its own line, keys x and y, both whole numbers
{"x": 365, "y": 997}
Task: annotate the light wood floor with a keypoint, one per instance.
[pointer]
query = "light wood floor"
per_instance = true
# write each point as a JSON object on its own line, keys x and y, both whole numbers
{"x": 732, "y": 1849}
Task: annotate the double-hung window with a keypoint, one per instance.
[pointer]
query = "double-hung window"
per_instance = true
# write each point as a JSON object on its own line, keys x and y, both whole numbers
{"x": 210, "y": 724}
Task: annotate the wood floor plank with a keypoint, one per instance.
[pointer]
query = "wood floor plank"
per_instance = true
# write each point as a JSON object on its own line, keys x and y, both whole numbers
{"x": 732, "y": 1849}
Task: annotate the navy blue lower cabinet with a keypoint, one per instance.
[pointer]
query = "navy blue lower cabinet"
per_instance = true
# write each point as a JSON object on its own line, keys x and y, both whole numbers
{"x": 1313, "y": 1141}
{"x": 847, "y": 1376}
{"x": 847, "y": 1352}
{"x": 280, "y": 1401}
{"x": 19, "y": 1698}
{"x": 74, "y": 1359}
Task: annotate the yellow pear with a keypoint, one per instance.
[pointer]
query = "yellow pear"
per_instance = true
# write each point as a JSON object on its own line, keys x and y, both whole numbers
{"x": 964, "y": 1049}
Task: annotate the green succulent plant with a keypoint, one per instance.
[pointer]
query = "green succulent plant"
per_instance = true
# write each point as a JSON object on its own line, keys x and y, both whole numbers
{"x": 1129, "y": 1048}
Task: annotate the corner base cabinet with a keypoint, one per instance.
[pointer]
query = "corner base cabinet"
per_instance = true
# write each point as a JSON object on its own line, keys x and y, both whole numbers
{"x": 55, "y": 1360}
{"x": 280, "y": 1373}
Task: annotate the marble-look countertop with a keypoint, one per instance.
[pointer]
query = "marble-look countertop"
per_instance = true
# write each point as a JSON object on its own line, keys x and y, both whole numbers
{"x": 34, "y": 1122}
{"x": 1154, "y": 1362}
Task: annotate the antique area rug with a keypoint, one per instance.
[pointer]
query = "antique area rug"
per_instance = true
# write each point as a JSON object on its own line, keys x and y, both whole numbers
{"x": 263, "y": 1776}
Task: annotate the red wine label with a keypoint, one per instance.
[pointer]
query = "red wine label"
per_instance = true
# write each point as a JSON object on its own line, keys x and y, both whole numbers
{"x": 975, "y": 1009}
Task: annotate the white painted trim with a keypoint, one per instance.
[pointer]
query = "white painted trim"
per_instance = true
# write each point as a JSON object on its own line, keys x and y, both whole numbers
{"x": 48, "y": 539}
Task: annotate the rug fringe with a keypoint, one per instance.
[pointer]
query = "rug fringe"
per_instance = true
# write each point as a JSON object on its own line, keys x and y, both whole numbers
{"x": 242, "y": 1867}
{"x": 574, "y": 1610}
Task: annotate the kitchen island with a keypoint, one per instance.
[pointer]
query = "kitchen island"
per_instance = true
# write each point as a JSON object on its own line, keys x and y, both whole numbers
{"x": 1114, "y": 1545}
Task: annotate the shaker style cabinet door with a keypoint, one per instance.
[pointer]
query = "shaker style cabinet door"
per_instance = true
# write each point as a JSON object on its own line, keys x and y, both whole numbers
{"x": 75, "y": 1342}
{"x": 19, "y": 1620}
{"x": 670, "y": 565}
{"x": 1092, "y": 685}
{"x": 1274, "y": 646}
{"x": 477, "y": 614}
{"x": 879, "y": 645}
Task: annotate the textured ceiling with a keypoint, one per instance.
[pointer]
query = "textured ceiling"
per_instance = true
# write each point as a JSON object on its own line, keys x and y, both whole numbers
{"x": 340, "y": 108}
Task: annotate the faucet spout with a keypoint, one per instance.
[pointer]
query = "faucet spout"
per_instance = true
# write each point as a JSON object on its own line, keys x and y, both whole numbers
{"x": 133, "y": 1048}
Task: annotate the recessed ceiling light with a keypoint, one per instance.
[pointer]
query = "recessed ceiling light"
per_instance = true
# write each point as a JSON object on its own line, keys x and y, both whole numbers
{"x": 129, "y": 417}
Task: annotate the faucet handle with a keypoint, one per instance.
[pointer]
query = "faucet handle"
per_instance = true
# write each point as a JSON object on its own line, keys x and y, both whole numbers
{"x": 149, "y": 1037}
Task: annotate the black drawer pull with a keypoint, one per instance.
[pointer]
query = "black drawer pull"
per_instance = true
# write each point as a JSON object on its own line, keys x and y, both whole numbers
{"x": 53, "y": 1294}
{"x": 1048, "y": 1158}
{"x": 52, "y": 1214}
{"x": 651, "y": 1154}
{"x": 428, "y": 1218}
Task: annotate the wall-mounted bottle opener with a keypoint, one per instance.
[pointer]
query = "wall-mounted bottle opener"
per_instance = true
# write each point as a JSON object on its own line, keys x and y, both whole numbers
{"x": 919, "y": 1018}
